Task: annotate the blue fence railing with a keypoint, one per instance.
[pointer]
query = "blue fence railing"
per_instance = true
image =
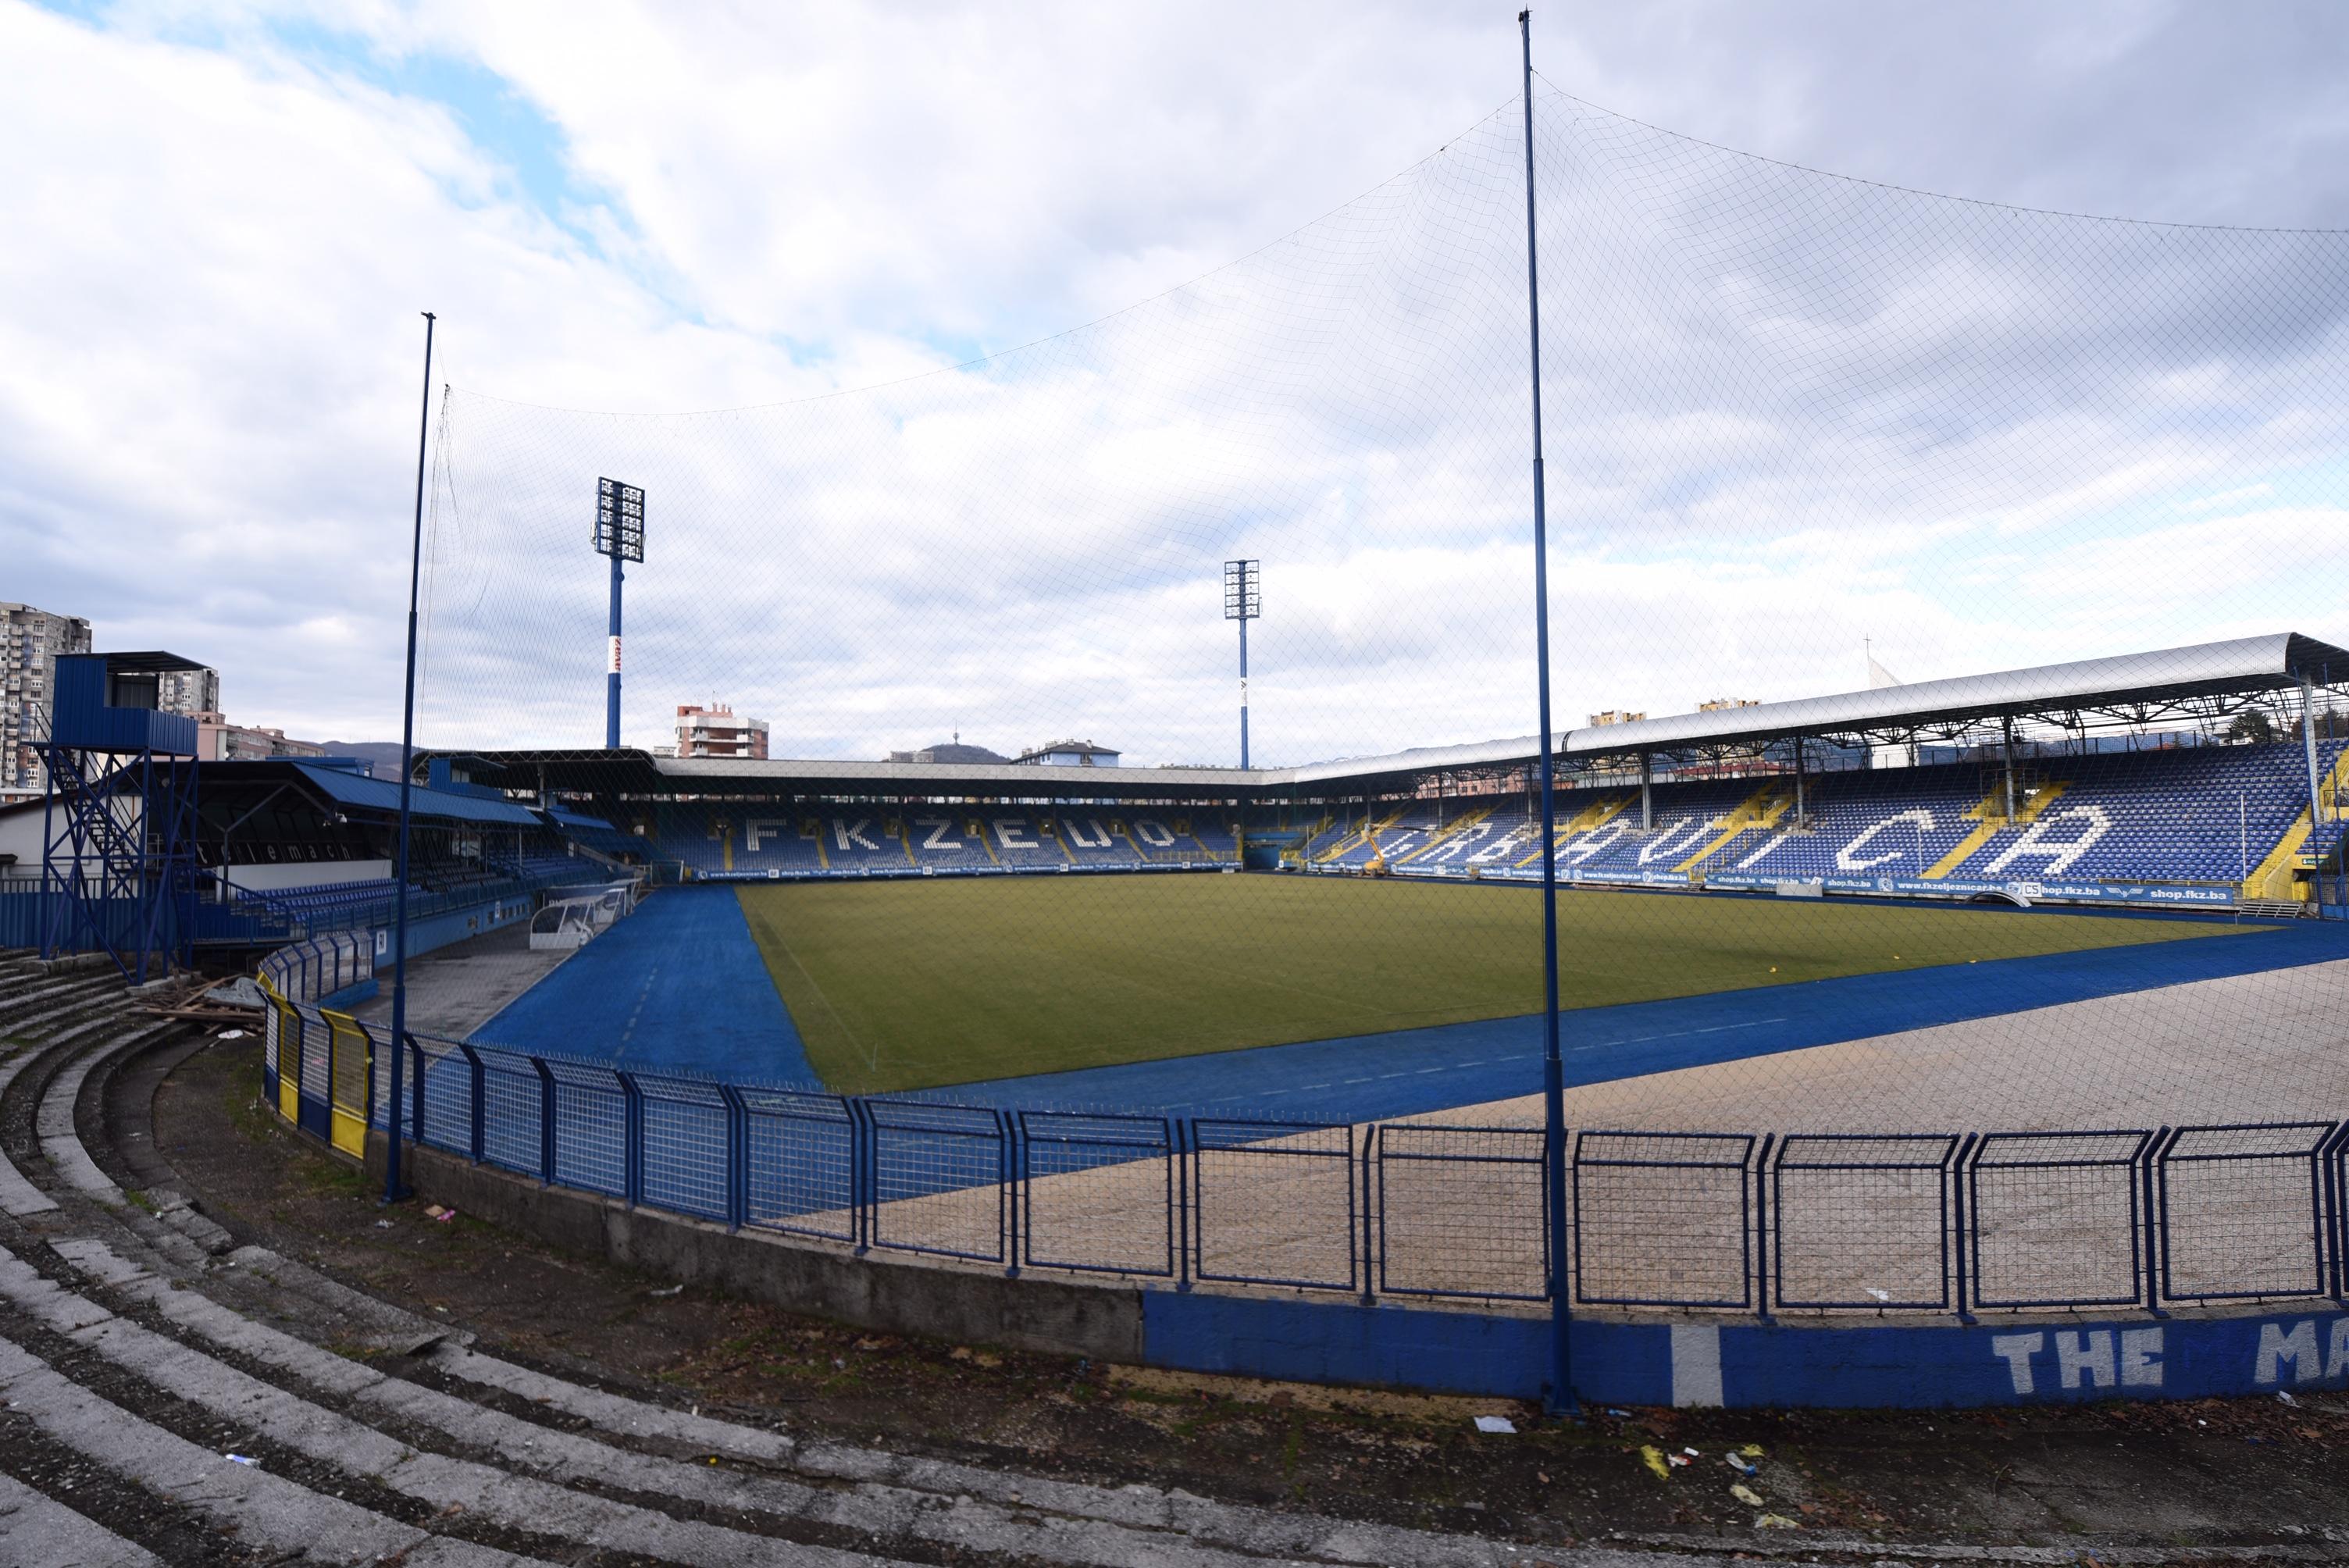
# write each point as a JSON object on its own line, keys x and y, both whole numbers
{"x": 1744, "y": 1221}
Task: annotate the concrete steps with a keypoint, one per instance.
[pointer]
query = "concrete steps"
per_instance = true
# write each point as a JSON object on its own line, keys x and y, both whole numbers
{"x": 139, "y": 1347}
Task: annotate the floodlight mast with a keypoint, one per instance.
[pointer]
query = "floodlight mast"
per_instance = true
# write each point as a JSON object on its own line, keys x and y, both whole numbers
{"x": 620, "y": 534}
{"x": 1242, "y": 601}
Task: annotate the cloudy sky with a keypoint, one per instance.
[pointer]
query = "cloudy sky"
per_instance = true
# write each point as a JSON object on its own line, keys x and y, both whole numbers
{"x": 1036, "y": 314}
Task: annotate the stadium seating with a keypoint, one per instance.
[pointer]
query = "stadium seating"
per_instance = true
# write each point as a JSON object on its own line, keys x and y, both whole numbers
{"x": 913, "y": 839}
{"x": 2196, "y": 815}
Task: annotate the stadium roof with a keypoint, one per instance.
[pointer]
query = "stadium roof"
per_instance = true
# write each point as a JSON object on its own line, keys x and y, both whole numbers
{"x": 360, "y": 793}
{"x": 2200, "y": 682}
{"x": 2190, "y": 682}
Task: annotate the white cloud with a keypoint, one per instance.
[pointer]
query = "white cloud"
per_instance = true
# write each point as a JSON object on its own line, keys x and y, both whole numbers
{"x": 1783, "y": 412}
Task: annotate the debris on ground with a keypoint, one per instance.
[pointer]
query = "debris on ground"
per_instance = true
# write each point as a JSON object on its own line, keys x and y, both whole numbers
{"x": 1654, "y": 1459}
{"x": 1774, "y": 1522}
{"x": 1742, "y": 1465}
{"x": 1746, "y": 1495}
{"x": 240, "y": 1459}
{"x": 673, "y": 1289}
{"x": 1496, "y": 1424}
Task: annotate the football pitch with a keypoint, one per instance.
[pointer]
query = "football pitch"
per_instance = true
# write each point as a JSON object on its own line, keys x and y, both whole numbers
{"x": 912, "y": 985}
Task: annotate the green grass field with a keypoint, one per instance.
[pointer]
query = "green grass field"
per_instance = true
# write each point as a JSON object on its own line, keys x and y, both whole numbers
{"x": 897, "y": 986}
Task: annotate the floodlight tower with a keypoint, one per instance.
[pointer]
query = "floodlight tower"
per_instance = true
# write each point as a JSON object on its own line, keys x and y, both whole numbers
{"x": 620, "y": 534}
{"x": 1242, "y": 601}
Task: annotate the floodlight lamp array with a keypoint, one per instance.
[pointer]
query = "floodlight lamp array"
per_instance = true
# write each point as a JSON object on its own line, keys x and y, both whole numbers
{"x": 1243, "y": 590}
{"x": 619, "y": 519}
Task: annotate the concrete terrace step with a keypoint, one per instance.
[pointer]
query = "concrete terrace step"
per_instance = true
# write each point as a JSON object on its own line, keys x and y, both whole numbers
{"x": 884, "y": 1498}
{"x": 21, "y": 994}
{"x": 124, "y": 1323}
{"x": 61, "y": 1144}
{"x": 55, "y": 1016}
{"x": 33, "y": 1529}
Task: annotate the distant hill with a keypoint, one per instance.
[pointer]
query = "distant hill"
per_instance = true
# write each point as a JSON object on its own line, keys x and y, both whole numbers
{"x": 383, "y": 754}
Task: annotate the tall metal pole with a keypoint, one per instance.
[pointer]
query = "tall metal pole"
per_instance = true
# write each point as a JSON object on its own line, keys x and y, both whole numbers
{"x": 612, "y": 664}
{"x": 1244, "y": 755}
{"x": 1558, "y": 1397}
{"x": 394, "y": 1190}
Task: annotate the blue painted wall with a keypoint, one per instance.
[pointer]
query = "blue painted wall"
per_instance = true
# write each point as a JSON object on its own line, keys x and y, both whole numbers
{"x": 1751, "y": 1364}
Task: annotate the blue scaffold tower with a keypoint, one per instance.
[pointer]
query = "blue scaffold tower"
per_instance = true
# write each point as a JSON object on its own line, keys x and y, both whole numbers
{"x": 119, "y": 820}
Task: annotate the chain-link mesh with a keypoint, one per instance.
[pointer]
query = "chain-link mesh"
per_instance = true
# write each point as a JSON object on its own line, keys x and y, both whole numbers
{"x": 1097, "y": 1193}
{"x": 1459, "y": 1212}
{"x": 1859, "y": 1221}
{"x": 1663, "y": 1219}
{"x": 802, "y": 1163}
{"x": 2059, "y": 1219}
{"x": 2242, "y": 1212}
{"x": 1276, "y": 1203}
{"x": 940, "y": 1180}
{"x": 930, "y": 729}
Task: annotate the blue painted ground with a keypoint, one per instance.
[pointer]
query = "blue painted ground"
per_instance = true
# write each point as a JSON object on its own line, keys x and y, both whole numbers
{"x": 681, "y": 983}
{"x": 678, "y": 983}
{"x": 1369, "y": 1078}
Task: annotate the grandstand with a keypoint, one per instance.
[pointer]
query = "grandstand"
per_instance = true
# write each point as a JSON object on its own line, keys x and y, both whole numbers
{"x": 288, "y": 850}
{"x": 1726, "y": 800}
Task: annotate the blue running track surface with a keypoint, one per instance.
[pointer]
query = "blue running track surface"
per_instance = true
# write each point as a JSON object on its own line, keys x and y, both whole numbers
{"x": 1369, "y": 1078}
{"x": 678, "y": 983}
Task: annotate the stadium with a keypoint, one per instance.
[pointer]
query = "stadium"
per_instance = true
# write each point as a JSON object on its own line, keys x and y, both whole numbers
{"x": 1968, "y": 1041}
{"x": 1275, "y": 1034}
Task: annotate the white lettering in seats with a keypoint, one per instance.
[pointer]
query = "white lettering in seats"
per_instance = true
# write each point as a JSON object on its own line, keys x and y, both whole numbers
{"x": 847, "y": 833}
{"x": 2058, "y": 856}
{"x": 1010, "y": 833}
{"x": 1848, "y": 858}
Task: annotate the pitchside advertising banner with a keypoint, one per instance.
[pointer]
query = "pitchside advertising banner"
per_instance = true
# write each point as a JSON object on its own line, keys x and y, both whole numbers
{"x": 2176, "y": 894}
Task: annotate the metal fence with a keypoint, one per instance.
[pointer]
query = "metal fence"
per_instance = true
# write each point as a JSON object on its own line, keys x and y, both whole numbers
{"x": 1751, "y": 1223}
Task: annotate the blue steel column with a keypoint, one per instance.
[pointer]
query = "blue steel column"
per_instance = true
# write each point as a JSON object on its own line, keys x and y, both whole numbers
{"x": 1243, "y": 752}
{"x": 612, "y": 677}
{"x": 393, "y": 1188}
{"x": 1558, "y": 1396}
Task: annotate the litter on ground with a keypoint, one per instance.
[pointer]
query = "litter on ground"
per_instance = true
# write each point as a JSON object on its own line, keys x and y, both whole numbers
{"x": 1496, "y": 1424}
{"x": 1746, "y": 1495}
{"x": 672, "y": 1290}
{"x": 1654, "y": 1457}
{"x": 1774, "y": 1522}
